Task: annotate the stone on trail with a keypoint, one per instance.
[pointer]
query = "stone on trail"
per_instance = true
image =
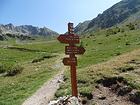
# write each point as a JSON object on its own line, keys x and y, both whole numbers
{"x": 66, "y": 101}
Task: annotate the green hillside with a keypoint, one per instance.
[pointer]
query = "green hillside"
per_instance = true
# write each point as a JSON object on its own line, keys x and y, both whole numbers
{"x": 19, "y": 61}
{"x": 115, "y": 15}
{"x": 24, "y": 67}
{"x": 101, "y": 51}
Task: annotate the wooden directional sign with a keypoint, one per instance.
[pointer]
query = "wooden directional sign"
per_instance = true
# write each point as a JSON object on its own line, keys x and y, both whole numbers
{"x": 68, "y": 39}
{"x": 70, "y": 61}
{"x": 74, "y": 50}
{"x": 71, "y": 50}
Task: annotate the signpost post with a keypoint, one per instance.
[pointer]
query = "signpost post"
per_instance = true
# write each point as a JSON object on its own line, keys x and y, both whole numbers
{"x": 71, "y": 50}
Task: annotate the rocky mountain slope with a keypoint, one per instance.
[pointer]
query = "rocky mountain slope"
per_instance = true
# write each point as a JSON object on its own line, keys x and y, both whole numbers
{"x": 118, "y": 13}
{"x": 26, "y": 30}
{"x": 81, "y": 27}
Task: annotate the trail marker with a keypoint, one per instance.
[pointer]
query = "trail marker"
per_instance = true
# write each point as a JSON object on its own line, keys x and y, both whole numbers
{"x": 69, "y": 39}
{"x": 70, "y": 61}
{"x": 74, "y": 50}
{"x": 71, "y": 50}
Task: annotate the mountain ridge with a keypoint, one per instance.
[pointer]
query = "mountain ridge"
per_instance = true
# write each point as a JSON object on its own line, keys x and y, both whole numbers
{"x": 116, "y": 14}
{"x": 26, "y": 30}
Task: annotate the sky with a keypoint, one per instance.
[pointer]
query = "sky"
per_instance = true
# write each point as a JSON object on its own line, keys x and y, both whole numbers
{"x": 53, "y": 14}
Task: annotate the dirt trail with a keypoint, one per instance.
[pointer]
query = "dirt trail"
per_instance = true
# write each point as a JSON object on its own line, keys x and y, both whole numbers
{"x": 43, "y": 95}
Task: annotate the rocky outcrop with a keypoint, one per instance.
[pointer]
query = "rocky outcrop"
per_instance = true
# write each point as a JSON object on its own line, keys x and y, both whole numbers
{"x": 26, "y": 30}
{"x": 117, "y": 14}
{"x": 1, "y": 37}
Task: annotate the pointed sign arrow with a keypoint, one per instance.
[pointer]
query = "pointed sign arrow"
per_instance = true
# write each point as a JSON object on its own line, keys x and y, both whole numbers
{"x": 70, "y": 61}
{"x": 74, "y": 50}
{"x": 69, "y": 39}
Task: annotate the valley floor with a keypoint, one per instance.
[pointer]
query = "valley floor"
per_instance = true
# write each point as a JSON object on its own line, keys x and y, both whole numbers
{"x": 106, "y": 57}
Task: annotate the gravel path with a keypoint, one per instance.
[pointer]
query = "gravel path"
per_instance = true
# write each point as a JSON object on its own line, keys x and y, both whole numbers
{"x": 46, "y": 92}
{"x": 43, "y": 95}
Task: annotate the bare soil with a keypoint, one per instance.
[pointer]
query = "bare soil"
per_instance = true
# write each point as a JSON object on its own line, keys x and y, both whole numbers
{"x": 104, "y": 96}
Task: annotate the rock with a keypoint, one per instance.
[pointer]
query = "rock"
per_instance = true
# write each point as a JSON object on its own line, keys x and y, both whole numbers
{"x": 53, "y": 102}
{"x": 73, "y": 101}
{"x": 66, "y": 100}
{"x": 135, "y": 97}
{"x": 60, "y": 81}
{"x": 84, "y": 101}
{"x": 1, "y": 37}
{"x": 97, "y": 86}
{"x": 102, "y": 98}
{"x": 124, "y": 90}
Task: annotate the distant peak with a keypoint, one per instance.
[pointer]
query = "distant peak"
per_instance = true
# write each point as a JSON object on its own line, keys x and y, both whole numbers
{"x": 10, "y": 24}
{"x": 27, "y": 30}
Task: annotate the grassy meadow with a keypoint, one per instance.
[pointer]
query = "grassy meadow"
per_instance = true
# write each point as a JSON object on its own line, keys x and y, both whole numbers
{"x": 97, "y": 62}
{"x": 29, "y": 65}
{"x": 24, "y": 68}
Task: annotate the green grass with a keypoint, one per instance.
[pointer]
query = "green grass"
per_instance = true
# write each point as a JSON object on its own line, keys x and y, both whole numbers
{"x": 46, "y": 46}
{"x": 99, "y": 48}
{"x": 15, "y": 89}
{"x": 37, "y": 49}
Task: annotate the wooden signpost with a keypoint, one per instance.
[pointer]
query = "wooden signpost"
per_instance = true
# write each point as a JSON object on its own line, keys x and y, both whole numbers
{"x": 69, "y": 39}
{"x": 74, "y": 50}
{"x": 71, "y": 50}
{"x": 70, "y": 61}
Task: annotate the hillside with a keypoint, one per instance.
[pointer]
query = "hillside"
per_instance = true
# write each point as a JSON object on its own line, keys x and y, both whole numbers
{"x": 117, "y": 14}
{"x": 108, "y": 58}
{"x": 81, "y": 27}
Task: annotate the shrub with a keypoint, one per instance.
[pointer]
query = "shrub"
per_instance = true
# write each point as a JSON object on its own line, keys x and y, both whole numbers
{"x": 117, "y": 29}
{"x": 37, "y": 60}
{"x": 122, "y": 30}
{"x": 109, "y": 32}
{"x": 126, "y": 68}
{"x": 113, "y": 31}
{"x": 63, "y": 91}
{"x": 2, "y": 69}
{"x": 86, "y": 92}
{"x": 131, "y": 26}
{"x": 14, "y": 70}
{"x": 49, "y": 56}
{"x": 42, "y": 58}
{"x": 118, "y": 53}
{"x": 127, "y": 43}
